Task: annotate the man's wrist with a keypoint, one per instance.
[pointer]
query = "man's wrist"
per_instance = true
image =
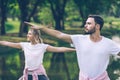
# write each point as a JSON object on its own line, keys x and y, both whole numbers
{"x": 41, "y": 27}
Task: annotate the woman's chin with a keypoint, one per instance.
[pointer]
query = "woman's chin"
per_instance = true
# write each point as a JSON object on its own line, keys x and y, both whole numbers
{"x": 28, "y": 40}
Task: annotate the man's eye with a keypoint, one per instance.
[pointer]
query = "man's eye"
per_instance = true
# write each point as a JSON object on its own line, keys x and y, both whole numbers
{"x": 89, "y": 23}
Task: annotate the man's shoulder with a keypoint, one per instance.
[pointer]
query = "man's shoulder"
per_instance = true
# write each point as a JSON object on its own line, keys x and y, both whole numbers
{"x": 106, "y": 39}
{"x": 79, "y": 35}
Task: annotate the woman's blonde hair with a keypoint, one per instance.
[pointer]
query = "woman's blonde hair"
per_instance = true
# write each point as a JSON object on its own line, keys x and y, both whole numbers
{"x": 37, "y": 35}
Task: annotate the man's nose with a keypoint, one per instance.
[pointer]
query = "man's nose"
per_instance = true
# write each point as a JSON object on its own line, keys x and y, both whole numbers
{"x": 85, "y": 26}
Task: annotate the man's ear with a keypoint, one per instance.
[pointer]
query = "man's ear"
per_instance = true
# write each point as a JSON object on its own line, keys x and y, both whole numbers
{"x": 97, "y": 26}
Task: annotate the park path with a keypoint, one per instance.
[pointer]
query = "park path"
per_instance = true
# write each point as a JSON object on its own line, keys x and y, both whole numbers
{"x": 116, "y": 39}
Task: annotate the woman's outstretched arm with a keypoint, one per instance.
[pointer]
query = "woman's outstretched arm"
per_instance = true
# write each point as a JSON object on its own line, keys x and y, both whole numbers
{"x": 59, "y": 49}
{"x": 10, "y": 44}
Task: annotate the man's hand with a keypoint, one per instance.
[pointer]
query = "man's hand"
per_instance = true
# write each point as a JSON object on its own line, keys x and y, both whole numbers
{"x": 33, "y": 26}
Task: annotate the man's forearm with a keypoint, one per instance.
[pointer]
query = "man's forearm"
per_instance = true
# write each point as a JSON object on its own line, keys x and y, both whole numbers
{"x": 43, "y": 28}
{"x": 51, "y": 32}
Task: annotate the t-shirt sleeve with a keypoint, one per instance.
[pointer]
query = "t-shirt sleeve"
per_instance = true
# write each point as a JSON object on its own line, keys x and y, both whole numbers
{"x": 75, "y": 39}
{"x": 114, "y": 48}
{"x": 45, "y": 47}
{"x": 22, "y": 45}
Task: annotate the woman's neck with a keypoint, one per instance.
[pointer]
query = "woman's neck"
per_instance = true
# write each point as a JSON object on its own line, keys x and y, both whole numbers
{"x": 34, "y": 43}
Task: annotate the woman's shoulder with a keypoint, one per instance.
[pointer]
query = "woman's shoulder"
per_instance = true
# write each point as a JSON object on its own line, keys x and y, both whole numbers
{"x": 43, "y": 44}
{"x": 24, "y": 43}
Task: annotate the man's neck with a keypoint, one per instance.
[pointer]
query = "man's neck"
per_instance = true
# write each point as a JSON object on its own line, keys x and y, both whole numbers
{"x": 95, "y": 37}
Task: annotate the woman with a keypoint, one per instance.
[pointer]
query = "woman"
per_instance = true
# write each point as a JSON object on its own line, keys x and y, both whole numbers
{"x": 34, "y": 52}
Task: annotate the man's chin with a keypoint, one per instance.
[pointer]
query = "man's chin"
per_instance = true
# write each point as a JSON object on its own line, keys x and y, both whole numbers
{"x": 86, "y": 32}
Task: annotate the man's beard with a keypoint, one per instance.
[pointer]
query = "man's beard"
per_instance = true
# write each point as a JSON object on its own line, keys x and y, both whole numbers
{"x": 90, "y": 31}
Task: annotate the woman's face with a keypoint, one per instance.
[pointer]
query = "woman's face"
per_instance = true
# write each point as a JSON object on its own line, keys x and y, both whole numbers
{"x": 30, "y": 36}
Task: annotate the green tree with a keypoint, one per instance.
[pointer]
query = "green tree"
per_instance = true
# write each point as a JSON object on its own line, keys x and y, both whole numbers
{"x": 58, "y": 11}
{"x": 27, "y": 11}
{"x": 3, "y": 10}
{"x": 92, "y": 7}
{"x": 13, "y": 10}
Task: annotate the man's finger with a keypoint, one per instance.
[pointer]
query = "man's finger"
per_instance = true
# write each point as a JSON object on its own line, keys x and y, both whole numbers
{"x": 28, "y": 23}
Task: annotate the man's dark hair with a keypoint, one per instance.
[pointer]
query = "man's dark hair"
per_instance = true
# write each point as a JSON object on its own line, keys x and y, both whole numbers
{"x": 98, "y": 19}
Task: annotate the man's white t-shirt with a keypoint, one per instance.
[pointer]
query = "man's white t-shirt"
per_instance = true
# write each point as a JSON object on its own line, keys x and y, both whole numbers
{"x": 93, "y": 57}
{"x": 33, "y": 54}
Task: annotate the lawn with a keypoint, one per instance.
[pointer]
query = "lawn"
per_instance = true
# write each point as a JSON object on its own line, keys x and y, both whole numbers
{"x": 12, "y": 26}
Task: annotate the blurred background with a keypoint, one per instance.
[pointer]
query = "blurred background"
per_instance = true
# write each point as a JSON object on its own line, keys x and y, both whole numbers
{"x": 65, "y": 15}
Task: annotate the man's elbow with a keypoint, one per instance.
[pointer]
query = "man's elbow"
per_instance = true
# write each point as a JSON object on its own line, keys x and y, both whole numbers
{"x": 119, "y": 54}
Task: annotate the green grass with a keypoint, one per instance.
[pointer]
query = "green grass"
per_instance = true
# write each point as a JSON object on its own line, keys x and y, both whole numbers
{"x": 12, "y": 26}
{"x": 112, "y": 22}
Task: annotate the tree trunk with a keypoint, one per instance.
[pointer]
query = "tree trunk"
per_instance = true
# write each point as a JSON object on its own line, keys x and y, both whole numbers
{"x": 22, "y": 62}
{"x": 23, "y": 5}
{"x": 3, "y": 5}
{"x": 24, "y": 12}
{"x": 3, "y": 73}
{"x": 58, "y": 64}
{"x": 58, "y": 61}
{"x": 59, "y": 24}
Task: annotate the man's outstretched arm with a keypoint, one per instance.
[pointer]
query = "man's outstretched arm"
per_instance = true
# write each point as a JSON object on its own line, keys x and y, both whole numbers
{"x": 119, "y": 54}
{"x": 51, "y": 32}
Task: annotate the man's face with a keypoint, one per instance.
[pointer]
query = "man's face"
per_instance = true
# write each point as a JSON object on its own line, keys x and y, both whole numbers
{"x": 90, "y": 26}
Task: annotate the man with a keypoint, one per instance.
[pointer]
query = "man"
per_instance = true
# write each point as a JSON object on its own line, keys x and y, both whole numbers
{"x": 93, "y": 49}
